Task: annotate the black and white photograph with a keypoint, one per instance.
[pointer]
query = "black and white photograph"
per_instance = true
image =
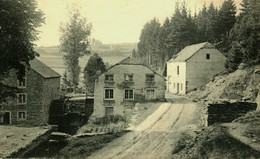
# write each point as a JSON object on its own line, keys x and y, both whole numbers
{"x": 130, "y": 79}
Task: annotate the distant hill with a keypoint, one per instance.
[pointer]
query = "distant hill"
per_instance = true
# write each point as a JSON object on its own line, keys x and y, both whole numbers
{"x": 110, "y": 53}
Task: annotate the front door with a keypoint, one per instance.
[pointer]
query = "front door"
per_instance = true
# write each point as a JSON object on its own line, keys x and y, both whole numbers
{"x": 7, "y": 118}
{"x": 150, "y": 94}
{"x": 178, "y": 88}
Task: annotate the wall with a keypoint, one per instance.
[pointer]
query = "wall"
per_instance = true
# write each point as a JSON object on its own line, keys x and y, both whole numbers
{"x": 39, "y": 92}
{"x": 227, "y": 112}
{"x": 200, "y": 70}
{"x": 138, "y": 85}
{"x": 174, "y": 78}
{"x": 51, "y": 91}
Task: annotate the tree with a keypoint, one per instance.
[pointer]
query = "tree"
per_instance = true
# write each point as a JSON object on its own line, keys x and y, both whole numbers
{"x": 235, "y": 57}
{"x": 148, "y": 46}
{"x": 19, "y": 20}
{"x": 74, "y": 42}
{"x": 211, "y": 22}
{"x": 226, "y": 18}
{"x": 93, "y": 69}
{"x": 246, "y": 31}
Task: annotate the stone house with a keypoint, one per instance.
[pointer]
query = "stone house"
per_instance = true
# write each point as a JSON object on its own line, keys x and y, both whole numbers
{"x": 37, "y": 89}
{"x": 193, "y": 67}
{"x": 120, "y": 87}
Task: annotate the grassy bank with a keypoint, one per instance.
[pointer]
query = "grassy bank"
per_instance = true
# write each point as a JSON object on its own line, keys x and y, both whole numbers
{"x": 82, "y": 147}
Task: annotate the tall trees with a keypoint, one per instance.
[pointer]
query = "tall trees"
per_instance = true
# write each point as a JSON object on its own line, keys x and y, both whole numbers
{"x": 19, "y": 20}
{"x": 94, "y": 67}
{"x": 148, "y": 45}
{"x": 226, "y": 18}
{"x": 220, "y": 27}
{"x": 246, "y": 33}
{"x": 74, "y": 42}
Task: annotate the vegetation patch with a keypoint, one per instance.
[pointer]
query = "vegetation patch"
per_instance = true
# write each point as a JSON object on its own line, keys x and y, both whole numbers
{"x": 83, "y": 147}
{"x": 213, "y": 142}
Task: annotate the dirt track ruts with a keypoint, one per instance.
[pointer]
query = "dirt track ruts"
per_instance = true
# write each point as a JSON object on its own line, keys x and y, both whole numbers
{"x": 154, "y": 137}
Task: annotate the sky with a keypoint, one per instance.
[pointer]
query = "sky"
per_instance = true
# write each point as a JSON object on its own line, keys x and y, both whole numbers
{"x": 113, "y": 21}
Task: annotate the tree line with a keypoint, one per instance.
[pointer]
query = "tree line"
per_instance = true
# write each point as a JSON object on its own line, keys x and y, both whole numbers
{"x": 236, "y": 36}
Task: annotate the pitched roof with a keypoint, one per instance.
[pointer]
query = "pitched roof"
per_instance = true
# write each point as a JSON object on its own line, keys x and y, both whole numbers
{"x": 190, "y": 50}
{"x": 136, "y": 64}
{"x": 43, "y": 69}
{"x": 129, "y": 60}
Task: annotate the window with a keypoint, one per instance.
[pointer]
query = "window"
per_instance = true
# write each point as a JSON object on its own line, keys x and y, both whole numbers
{"x": 150, "y": 78}
{"x": 150, "y": 94}
{"x": 109, "y": 111}
{"x": 174, "y": 85}
{"x": 22, "y": 98}
{"x": 178, "y": 70}
{"x": 21, "y": 83}
{"x": 21, "y": 115}
{"x": 181, "y": 86}
{"x": 109, "y": 78}
{"x": 109, "y": 94}
{"x": 207, "y": 56}
{"x": 129, "y": 94}
{"x": 128, "y": 77}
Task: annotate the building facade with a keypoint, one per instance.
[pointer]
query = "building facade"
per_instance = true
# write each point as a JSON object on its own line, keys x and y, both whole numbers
{"x": 37, "y": 89}
{"x": 193, "y": 67}
{"x": 118, "y": 89}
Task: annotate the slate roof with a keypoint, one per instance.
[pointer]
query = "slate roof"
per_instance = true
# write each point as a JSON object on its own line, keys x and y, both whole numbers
{"x": 43, "y": 69}
{"x": 189, "y": 51}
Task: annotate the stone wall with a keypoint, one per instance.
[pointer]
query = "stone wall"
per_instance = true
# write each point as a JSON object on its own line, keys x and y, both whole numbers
{"x": 226, "y": 112}
{"x": 39, "y": 91}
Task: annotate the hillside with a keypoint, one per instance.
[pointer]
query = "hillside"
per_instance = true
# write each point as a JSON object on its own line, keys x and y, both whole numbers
{"x": 238, "y": 139}
{"x": 52, "y": 56}
{"x": 237, "y": 86}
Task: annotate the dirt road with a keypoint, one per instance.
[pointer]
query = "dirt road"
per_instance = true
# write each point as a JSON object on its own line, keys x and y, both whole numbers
{"x": 154, "y": 137}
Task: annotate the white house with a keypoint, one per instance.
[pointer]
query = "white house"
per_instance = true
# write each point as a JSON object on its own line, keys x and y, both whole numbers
{"x": 193, "y": 67}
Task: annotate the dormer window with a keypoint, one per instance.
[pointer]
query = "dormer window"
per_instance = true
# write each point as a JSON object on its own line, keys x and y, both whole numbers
{"x": 109, "y": 78}
{"x": 129, "y": 77}
{"x": 21, "y": 83}
{"x": 150, "y": 78}
{"x": 207, "y": 56}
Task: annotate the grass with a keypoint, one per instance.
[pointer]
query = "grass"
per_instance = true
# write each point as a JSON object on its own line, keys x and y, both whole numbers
{"x": 212, "y": 142}
{"x": 83, "y": 147}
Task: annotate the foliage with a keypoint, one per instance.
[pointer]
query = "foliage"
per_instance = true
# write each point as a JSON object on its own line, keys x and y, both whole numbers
{"x": 236, "y": 37}
{"x": 74, "y": 41}
{"x": 246, "y": 34}
{"x": 235, "y": 57}
{"x": 19, "y": 20}
{"x": 93, "y": 69}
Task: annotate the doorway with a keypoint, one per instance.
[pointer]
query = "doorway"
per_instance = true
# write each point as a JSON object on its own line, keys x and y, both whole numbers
{"x": 7, "y": 118}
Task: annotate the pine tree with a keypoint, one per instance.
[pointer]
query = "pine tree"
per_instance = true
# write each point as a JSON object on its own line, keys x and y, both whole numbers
{"x": 226, "y": 18}
{"x": 246, "y": 31}
{"x": 235, "y": 57}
